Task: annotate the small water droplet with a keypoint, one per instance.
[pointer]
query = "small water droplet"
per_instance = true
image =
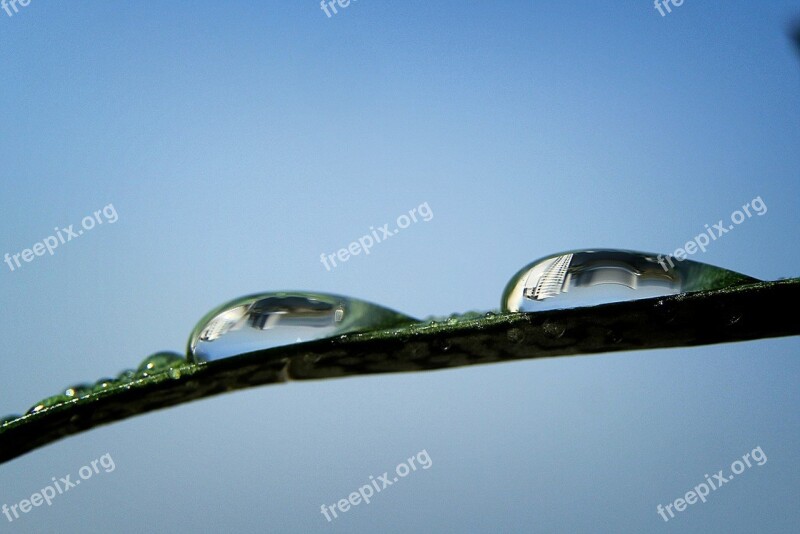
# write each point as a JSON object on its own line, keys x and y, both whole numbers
{"x": 47, "y": 403}
{"x": 127, "y": 375}
{"x": 489, "y": 315}
{"x": 78, "y": 390}
{"x": 553, "y": 329}
{"x": 592, "y": 277}
{"x": 159, "y": 362}
{"x": 104, "y": 384}
{"x": 267, "y": 320}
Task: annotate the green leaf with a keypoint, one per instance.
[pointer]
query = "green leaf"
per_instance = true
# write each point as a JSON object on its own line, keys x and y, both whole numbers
{"x": 738, "y": 313}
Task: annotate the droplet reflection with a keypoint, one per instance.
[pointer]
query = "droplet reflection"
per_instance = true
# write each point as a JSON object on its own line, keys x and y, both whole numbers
{"x": 592, "y": 277}
{"x": 270, "y": 320}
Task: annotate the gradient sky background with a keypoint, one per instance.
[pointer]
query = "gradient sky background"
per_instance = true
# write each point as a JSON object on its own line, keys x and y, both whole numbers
{"x": 238, "y": 141}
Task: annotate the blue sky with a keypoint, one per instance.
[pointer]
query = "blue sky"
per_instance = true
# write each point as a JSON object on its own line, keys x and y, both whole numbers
{"x": 239, "y": 141}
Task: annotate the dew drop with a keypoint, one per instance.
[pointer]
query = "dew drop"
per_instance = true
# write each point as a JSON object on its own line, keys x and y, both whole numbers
{"x": 78, "y": 390}
{"x": 159, "y": 362}
{"x": 267, "y": 320}
{"x": 47, "y": 403}
{"x": 104, "y": 384}
{"x": 126, "y": 376}
{"x": 599, "y": 276}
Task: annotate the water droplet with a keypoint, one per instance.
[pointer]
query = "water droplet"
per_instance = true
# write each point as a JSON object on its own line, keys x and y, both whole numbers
{"x": 78, "y": 390}
{"x": 47, "y": 403}
{"x": 104, "y": 384}
{"x": 159, "y": 362}
{"x": 127, "y": 375}
{"x": 267, "y": 320}
{"x": 591, "y": 277}
{"x": 553, "y": 329}
{"x": 489, "y": 315}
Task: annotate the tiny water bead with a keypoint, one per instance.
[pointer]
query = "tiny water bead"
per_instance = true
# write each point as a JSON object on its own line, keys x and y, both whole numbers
{"x": 160, "y": 362}
{"x": 78, "y": 390}
{"x": 591, "y": 277}
{"x": 48, "y": 402}
{"x": 267, "y": 320}
{"x": 71, "y": 393}
{"x": 104, "y": 384}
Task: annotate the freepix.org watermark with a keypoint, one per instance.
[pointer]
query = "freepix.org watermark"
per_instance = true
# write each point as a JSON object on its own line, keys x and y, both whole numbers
{"x": 376, "y": 485}
{"x": 383, "y": 233}
{"x": 58, "y": 487}
{"x": 8, "y": 5}
{"x": 701, "y": 491}
{"x": 63, "y": 236}
{"x": 329, "y": 6}
{"x": 661, "y": 5}
{"x": 701, "y": 241}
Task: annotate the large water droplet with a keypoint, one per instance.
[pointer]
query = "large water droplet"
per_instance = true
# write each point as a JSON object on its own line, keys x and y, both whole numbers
{"x": 270, "y": 320}
{"x": 591, "y": 277}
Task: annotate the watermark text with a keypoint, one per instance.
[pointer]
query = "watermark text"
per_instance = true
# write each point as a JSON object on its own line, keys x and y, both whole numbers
{"x": 367, "y": 241}
{"x": 58, "y": 487}
{"x": 376, "y": 485}
{"x": 712, "y": 483}
{"x": 61, "y": 237}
